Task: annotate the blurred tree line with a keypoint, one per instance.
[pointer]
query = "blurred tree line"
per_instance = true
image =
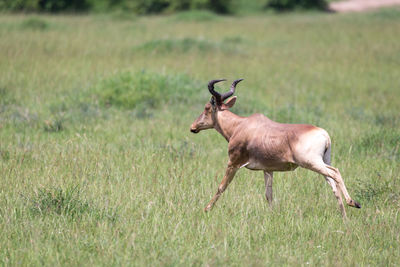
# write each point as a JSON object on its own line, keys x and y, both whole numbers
{"x": 142, "y": 7}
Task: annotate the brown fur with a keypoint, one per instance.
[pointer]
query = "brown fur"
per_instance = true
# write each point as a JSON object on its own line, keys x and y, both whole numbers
{"x": 259, "y": 143}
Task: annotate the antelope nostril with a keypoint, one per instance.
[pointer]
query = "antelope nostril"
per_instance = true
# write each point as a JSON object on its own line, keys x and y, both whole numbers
{"x": 194, "y": 130}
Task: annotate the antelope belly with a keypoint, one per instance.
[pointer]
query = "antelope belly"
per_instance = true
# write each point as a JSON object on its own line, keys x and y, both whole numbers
{"x": 254, "y": 164}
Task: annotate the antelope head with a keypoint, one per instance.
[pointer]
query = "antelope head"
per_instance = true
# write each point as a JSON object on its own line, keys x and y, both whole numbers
{"x": 207, "y": 118}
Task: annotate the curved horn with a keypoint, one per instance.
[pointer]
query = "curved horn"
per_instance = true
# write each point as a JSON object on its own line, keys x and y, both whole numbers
{"x": 232, "y": 91}
{"x": 212, "y": 91}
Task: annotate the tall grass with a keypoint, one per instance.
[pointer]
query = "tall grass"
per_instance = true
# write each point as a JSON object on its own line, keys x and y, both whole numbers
{"x": 98, "y": 165}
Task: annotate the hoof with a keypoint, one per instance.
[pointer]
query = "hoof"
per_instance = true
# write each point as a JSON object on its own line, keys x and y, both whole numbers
{"x": 206, "y": 209}
{"x": 355, "y": 204}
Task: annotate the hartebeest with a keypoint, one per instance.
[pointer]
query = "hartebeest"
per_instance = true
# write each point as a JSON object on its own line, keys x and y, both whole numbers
{"x": 258, "y": 143}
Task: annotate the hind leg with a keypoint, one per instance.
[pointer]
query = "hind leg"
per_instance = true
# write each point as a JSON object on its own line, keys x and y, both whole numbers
{"x": 339, "y": 180}
{"x": 332, "y": 172}
{"x": 337, "y": 194}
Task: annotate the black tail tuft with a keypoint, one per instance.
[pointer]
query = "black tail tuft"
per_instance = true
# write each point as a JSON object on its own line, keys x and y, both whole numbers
{"x": 327, "y": 155}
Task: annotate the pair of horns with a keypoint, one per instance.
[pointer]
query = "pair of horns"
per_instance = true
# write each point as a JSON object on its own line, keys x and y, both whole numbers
{"x": 221, "y": 97}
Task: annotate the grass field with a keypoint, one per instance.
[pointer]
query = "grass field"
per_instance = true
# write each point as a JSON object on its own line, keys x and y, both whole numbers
{"x": 98, "y": 166}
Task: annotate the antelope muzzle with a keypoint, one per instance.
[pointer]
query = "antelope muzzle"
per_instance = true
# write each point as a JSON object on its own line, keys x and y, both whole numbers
{"x": 194, "y": 130}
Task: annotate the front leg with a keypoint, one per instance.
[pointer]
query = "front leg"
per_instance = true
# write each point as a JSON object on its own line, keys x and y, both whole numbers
{"x": 268, "y": 177}
{"x": 229, "y": 174}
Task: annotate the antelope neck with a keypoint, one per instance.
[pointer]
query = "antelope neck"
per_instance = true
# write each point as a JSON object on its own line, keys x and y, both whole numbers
{"x": 225, "y": 122}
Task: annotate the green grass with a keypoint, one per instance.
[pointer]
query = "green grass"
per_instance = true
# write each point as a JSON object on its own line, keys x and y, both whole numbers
{"x": 187, "y": 45}
{"x": 34, "y": 23}
{"x": 98, "y": 165}
{"x": 195, "y": 16}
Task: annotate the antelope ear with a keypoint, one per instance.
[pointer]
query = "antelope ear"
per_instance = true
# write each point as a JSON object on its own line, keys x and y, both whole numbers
{"x": 231, "y": 102}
